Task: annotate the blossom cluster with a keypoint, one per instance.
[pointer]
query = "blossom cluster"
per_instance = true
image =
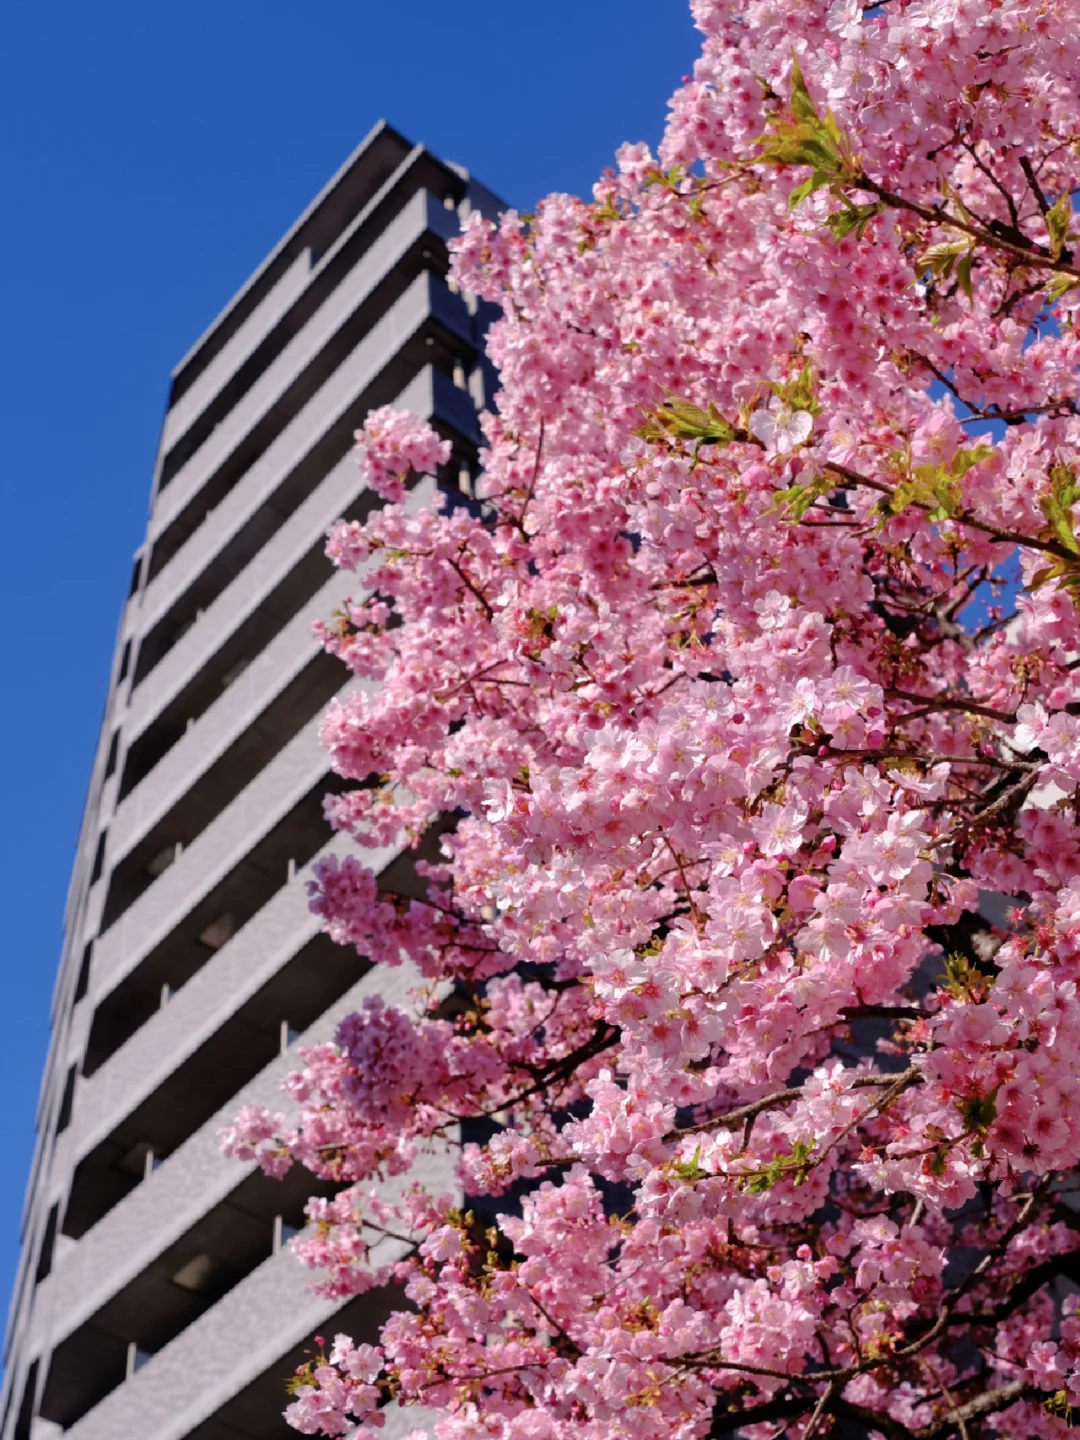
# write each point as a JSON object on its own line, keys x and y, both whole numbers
{"x": 391, "y": 445}
{"x": 721, "y": 707}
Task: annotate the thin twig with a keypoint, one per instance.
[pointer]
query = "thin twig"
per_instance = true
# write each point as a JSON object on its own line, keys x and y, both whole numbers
{"x": 1036, "y": 188}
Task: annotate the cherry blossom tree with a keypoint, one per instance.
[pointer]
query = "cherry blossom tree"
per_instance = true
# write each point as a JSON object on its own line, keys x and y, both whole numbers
{"x": 740, "y": 689}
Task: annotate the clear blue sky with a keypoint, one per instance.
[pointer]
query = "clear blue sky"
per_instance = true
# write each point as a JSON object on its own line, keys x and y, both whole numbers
{"x": 152, "y": 153}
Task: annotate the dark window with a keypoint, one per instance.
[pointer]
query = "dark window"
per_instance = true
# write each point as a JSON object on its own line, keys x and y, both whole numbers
{"x": 136, "y": 575}
{"x": 114, "y": 750}
{"x": 63, "y": 1120}
{"x": 45, "y": 1259}
{"x": 83, "y": 982}
{"x": 26, "y": 1409}
{"x": 125, "y": 663}
{"x": 99, "y": 859}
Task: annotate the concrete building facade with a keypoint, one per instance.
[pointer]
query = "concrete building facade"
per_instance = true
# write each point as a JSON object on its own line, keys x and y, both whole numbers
{"x": 155, "y": 1295}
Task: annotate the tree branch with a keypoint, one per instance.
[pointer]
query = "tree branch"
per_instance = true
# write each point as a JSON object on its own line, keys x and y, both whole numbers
{"x": 954, "y": 702}
{"x": 782, "y": 1097}
{"x": 1030, "y": 253}
{"x": 1007, "y": 537}
{"x": 726, "y": 1421}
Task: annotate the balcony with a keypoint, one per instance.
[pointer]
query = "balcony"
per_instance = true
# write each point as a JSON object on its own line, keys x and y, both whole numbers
{"x": 250, "y": 851}
{"x": 360, "y": 306}
{"x": 295, "y": 294}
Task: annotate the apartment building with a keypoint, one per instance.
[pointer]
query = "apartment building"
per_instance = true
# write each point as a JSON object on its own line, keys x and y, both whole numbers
{"x": 156, "y": 1296}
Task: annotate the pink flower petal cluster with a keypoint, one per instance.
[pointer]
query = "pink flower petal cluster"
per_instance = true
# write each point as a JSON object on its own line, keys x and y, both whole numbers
{"x": 334, "y": 1394}
{"x": 746, "y": 941}
{"x": 392, "y": 445}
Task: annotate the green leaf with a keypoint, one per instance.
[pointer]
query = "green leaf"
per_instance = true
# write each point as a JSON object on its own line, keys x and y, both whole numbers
{"x": 800, "y": 1160}
{"x": 963, "y": 980}
{"x": 818, "y": 180}
{"x": 957, "y": 199}
{"x": 798, "y": 498}
{"x": 1046, "y": 574}
{"x": 1057, "y": 506}
{"x": 759, "y": 1184}
{"x": 835, "y": 133}
{"x": 805, "y": 145}
{"x": 801, "y": 104}
{"x": 690, "y": 1169}
{"x": 667, "y": 179}
{"x": 682, "y": 420}
{"x": 799, "y": 194}
{"x": 979, "y": 1111}
{"x": 942, "y": 257}
{"x": 852, "y": 218}
{"x": 964, "y": 460}
{"x": 800, "y": 393}
{"x": 795, "y": 1166}
{"x": 808, "y": 139}
{"x": 1058, "y": 1404}
{"x": 963, "y": 275}
{"x": 937, "y": 487}
{"x": 1058, "y": 218}
{"x": 1060, "y": 285}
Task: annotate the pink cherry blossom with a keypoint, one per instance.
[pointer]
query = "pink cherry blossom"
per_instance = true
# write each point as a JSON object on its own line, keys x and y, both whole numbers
{"x": 392, "y": 444}
{"x": 719, "y": 721}
{"x": 780, "y": 429}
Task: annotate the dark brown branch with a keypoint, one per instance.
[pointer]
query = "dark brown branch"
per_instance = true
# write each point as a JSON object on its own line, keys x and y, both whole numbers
{"x": 726, "y": 1421}
{"x": 479, "y": 595}
{"x": 1029, "y": 252}
{"x": 1009, "y": 201}
{"x": 726, "y": 1418}
{"x": 1033, "y": 184}
{"x": 1000, "y": 799}
{"x": 954, "y": 702}
{"x": 603, "y": 1038}
{"x": 520, "y": 522}
{"x": 1031, "y": 1281}
{"x": 783, "y": 1097}
{"x": 953, "y": 1299}
{"x": 883, "y": 1012}
{"x": 989, "y": 412}
{"x": 1007, "y": 537}
{"x": 988, "y": 1403}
